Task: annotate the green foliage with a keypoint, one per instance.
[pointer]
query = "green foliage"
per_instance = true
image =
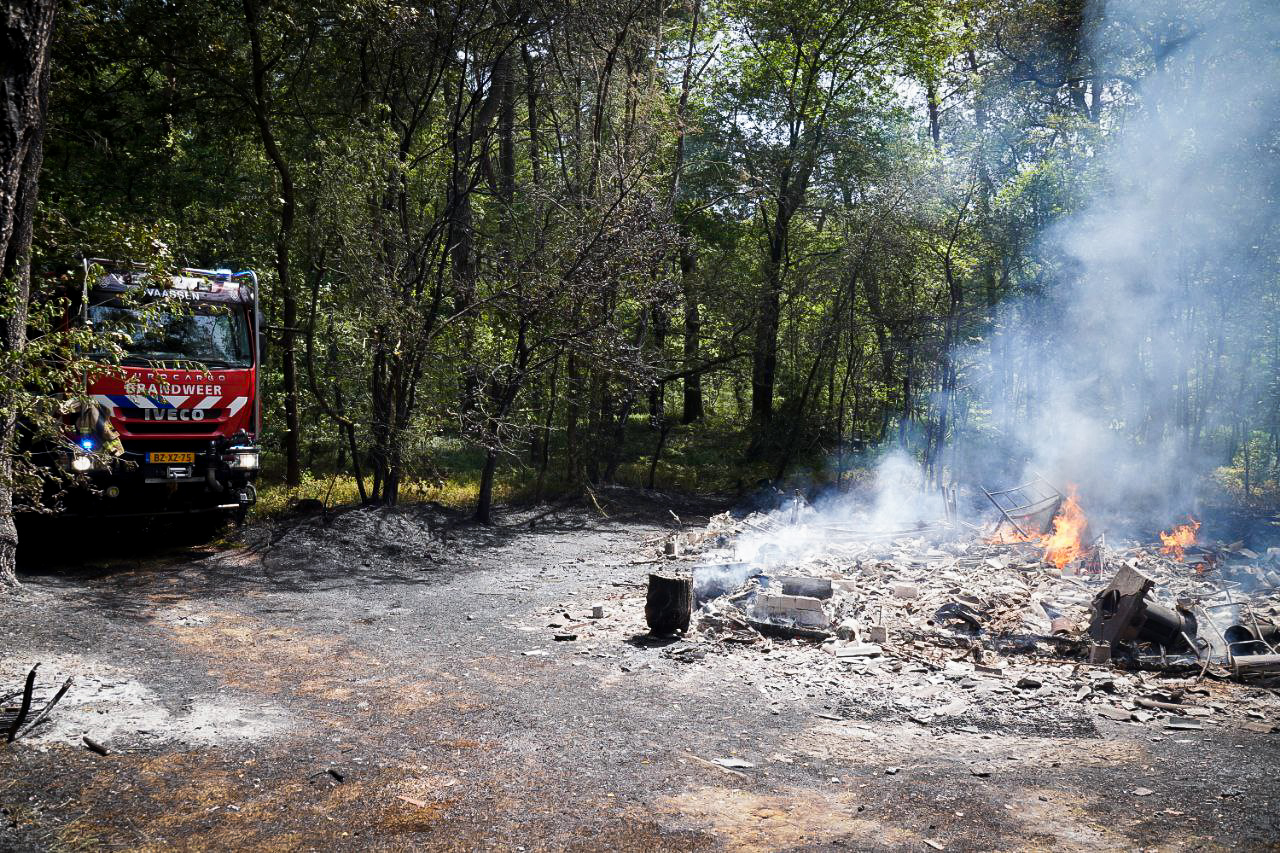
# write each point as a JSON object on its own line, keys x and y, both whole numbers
{"x": 41, "y": 384}
{"x": 486, "y": 251}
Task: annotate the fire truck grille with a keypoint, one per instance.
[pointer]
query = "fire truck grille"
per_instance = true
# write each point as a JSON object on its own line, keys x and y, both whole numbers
{"x": 168, "y": 421}
{"x": 167, "y": 414}
{"x": 169, "y": 427}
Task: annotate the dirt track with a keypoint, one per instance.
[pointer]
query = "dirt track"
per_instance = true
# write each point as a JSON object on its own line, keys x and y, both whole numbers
{"x": 392, "y": 681}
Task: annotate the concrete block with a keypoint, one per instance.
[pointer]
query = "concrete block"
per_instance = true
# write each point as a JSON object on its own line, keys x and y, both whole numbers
{"x": 801, "y": 610}
{"x": 844, "y": 587}
{"x": 801, "y": 585}
{"x": 906, "y": 590}
{"x": 857, "y": 650}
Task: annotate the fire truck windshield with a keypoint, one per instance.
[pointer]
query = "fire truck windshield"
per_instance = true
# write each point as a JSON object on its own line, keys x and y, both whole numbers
{"x": 212, "y": 335}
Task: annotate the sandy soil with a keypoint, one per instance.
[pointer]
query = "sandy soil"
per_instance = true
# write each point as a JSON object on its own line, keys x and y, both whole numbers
{"x": 391, "y": 680}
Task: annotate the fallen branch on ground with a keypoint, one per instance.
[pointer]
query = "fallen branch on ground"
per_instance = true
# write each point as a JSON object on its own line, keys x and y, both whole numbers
{"x": 26, "y": 705}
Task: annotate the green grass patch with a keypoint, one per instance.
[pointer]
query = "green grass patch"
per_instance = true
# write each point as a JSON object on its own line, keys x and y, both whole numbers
{"x": 459, "y": 491}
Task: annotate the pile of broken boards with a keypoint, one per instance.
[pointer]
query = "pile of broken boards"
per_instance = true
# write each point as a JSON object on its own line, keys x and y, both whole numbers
{"x": 941, "y": 594}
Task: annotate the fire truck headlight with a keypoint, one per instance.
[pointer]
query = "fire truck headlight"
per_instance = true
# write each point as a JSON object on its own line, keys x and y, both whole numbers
{"x": 81, "y": 463}
{"x": 243, "y": 460}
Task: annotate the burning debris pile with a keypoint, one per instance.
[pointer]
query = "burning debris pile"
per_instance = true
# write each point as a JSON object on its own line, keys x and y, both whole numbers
{"x": 1037, "y": 585}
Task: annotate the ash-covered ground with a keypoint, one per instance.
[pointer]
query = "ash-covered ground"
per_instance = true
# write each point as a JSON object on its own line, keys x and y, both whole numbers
{"x": 406, "y": 680}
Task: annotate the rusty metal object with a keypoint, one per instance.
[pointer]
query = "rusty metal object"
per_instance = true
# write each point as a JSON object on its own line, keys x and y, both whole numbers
{"x": 1165, "y": 627}
{"x": 1256, "y": 664}
{"x": 1028, "y": 508}
{"x": 1100, "y": 654}
{"x": 1120, "y": 609}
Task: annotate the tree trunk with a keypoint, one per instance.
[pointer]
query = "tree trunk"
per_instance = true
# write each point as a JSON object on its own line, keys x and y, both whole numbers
{"x": 797, "y": 415}
{"x": 664, "y": 431}
{"x": 484, "y": 500}
{"x": 935, "y": 117}
{"x": 937, "y": 432}
{"x": 288, "y": 208}
{"x": 986, "y": 188}
{"x": 573, "y": 408}
{"x": 548, "y": 420}
{"x": 504, "y": 80}
{"x": 657, "y": 391}
{"x": 462, "y": 266}
{"x": 24, "y": 89}
{"x": 693, "y": 408}
{"x": 531, "y": 98}
{"x": 599, "y": 412}
{"x": 884, "y": 346}
{"x": 764, "y": 361}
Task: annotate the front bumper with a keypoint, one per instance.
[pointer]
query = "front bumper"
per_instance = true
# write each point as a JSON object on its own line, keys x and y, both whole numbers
{"x": 202, "y": 480}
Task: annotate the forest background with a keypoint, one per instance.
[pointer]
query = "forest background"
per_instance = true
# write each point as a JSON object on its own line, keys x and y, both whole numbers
{"x": 531, "y": 247}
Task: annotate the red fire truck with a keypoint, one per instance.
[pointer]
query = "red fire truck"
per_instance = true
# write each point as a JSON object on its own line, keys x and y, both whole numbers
{"x": 174, "y": 427}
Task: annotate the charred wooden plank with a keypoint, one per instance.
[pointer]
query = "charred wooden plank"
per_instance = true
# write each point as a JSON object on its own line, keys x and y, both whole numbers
{"x": 44, "y": 712}
{"x": 26, "y": 704}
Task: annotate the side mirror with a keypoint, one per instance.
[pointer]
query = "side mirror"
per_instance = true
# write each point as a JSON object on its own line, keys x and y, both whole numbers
{"x": 262, "y": 339}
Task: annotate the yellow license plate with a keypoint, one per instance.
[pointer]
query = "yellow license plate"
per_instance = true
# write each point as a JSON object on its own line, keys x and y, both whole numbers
{"x": 172, "y": 458}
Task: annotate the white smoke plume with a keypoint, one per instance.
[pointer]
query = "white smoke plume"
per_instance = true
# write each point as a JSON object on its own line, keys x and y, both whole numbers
{"x": 1125, "y": 367}
{"x": 1168, "y": 277}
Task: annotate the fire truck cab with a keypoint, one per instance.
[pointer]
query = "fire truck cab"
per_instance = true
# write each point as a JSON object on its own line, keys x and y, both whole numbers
{"x": 175, "y": 424}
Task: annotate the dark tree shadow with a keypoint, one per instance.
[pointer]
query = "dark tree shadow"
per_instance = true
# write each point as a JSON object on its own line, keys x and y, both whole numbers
{"x": 128, "y": 566}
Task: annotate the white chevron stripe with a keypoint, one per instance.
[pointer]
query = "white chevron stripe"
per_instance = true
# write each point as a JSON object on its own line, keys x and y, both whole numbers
{"x": 236, "y": 405}
{"x": 208, "y": 402}
{"x": 104, "y": 400}
{"x": 176, "y": 401}
{"x": 141, "y": 402}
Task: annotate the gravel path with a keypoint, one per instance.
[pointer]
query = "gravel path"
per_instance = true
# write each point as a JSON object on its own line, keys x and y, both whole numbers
{"x": 392, "y": 680}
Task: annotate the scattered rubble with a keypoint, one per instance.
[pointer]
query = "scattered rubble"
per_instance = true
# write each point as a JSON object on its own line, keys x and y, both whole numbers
{"x": 940, "y": 627}
{"x": 945, "y": 585}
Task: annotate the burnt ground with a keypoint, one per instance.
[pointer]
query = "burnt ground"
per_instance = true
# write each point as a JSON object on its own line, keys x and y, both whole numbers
{"x": 391, "y": 680}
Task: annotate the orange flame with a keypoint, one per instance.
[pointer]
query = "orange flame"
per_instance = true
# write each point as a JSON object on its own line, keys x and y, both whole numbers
{"x": 1175, "y": 543}
{"x": 1066, "y": 541}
